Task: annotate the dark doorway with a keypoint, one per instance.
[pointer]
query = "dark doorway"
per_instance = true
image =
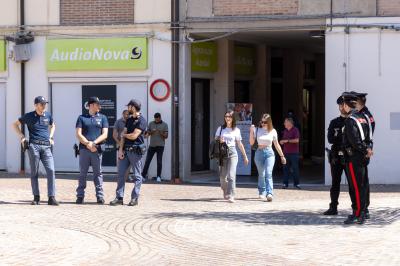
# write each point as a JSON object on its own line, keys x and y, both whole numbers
{"x": 200, "y": 124}
{"x": 242, "y": 91}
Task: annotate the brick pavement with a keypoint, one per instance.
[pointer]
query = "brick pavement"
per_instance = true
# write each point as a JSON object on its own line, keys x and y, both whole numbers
{"x": 191, "y": 225}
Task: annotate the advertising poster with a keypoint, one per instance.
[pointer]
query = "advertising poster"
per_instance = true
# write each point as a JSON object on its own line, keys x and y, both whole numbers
{"x": 107, "y": 95}
{"x": 243, "y": 114}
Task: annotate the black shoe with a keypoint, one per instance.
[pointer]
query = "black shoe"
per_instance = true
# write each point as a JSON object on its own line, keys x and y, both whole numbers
{"x": 351, "y": 219}
{"x": 53, "y": 201}
{"x": 79, "y": 200}
{"x": 117, "y": 202}
{"x": 297, "y": 186}
{"x": 133, "y": 202}
{"x": 285, "y": 186}
{"x": 367, "y": 215}
{"x": 361, "y": 219}
{"x": 100, "y": 201}
{"x": 331, "y": 211}
{"x": 36, "y": 200}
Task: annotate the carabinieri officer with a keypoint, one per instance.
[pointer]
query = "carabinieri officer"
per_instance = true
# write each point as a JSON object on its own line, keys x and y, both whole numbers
{"x": 130, "y": 153}
{"x": 92, "y": 132}
{"x": 41, "y": 130}
{"x": 336, "y": 156}
{"x": 356, "y": 139}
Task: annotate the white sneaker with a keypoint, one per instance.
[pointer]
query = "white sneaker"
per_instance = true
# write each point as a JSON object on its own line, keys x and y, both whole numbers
{"x": 231, "y": 199}
{"x": 269, "y": 197}
{"x": 261, "y": 196}
{"x": 158, "y": 179}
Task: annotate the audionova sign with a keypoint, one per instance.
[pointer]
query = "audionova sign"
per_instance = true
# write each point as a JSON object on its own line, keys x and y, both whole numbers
{"x": 96, "y": 54}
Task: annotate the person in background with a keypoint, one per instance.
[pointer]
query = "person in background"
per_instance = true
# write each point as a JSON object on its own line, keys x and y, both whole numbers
{"x": 158, "y": 133}
{"x": 230, "y": 134}
{"x": 117, "y": 134}
{"x": 266, "y": 135}
{"x": 290, "y": 141}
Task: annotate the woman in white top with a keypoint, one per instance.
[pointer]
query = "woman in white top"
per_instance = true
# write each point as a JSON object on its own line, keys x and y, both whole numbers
{"x": 230, "y": 134}
{"x": 264, "y": 158}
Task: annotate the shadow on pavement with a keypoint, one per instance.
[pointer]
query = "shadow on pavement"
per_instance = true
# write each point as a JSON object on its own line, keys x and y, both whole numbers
{"x": 379, "y": 217}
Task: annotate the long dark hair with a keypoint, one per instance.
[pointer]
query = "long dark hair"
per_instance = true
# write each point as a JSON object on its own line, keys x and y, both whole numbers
{"x": 232, "y": 113}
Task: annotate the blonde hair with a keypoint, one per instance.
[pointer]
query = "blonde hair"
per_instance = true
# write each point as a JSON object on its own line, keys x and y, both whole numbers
{"x": 266, "y": 117}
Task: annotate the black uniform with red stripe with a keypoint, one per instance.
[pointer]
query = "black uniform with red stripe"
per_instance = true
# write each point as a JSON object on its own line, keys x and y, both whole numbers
{"x": 371, "y": 121}
{"x": 335, "y": 137}
{"x": 356, "y": 140}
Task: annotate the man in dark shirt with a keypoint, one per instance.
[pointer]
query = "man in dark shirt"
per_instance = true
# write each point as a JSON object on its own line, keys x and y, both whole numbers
{"x": 41, "y": 130}
{"x": 130, "y": 153}
{"x": 290, "y": 141}
{"x": 336, "y": 157}
{"x": 92, "y": 132}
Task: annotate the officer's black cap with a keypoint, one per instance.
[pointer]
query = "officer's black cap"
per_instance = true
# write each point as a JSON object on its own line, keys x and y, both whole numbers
{"x": 349, "y": 97}
{"x": 93, "y": 100}
{"x": 40, "y": 99}
{"x": 340, "y": 100}
{"x": 359, "y": 95}
{"x": 157, "y": 115}
{"x": 135, "y": 103}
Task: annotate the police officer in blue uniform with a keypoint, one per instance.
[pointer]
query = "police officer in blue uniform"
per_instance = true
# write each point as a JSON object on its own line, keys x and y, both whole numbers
{"x": 130, "y": 153}
{"x": 336, "y": 156}
{"x": 41, "y": 129}
{"x": 92, "y": 132}
{"x": 356, "y": 146}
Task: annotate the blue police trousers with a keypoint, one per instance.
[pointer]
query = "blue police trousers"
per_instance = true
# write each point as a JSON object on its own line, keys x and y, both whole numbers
{"x": 86, "y": 159}
{"x": 42, "y": 153}
{"x": 135, "y": 160}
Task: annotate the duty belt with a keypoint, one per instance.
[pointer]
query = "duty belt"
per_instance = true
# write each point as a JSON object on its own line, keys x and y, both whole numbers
{"x": 40, "y": 142}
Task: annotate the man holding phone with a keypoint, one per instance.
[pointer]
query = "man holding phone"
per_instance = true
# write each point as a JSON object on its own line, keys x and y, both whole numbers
{"x": 158, "y": 133}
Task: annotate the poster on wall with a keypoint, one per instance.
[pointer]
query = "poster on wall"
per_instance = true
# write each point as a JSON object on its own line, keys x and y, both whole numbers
{"x": 243, "y": 115}
{"x": 107, "y": 95}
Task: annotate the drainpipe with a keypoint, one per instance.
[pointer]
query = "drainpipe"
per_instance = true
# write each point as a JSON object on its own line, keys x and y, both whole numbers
{"x": 22, "y": 28}
{"x": 175, "y": 89}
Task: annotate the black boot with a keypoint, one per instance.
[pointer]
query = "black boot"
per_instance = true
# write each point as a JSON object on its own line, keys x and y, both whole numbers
{"x": 117, "y": 201}
{"x": 36, "y": 200}
{"x": 79, "y": 200}
{"x": 100, "y": 200}
{"x": 351, "y": 219}
{"x": 53, "y": 201}
{"x": 332, "y": 210}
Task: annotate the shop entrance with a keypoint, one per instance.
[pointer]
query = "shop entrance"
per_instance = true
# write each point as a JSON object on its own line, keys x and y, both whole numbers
{"x": 2, "y": 126}
{"x": 200, "y": 124}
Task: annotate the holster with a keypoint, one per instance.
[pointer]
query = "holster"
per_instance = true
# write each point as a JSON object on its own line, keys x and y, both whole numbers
{"x": 25, "y": 145}
{"x": 138, "y": 149}
{"x": 76, "y": 150}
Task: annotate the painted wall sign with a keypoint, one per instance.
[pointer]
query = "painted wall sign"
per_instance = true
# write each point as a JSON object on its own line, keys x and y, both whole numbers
{"x": 245, "y": 60}
{"x": 3, "y": 64}
{"x": 204, "y": 57}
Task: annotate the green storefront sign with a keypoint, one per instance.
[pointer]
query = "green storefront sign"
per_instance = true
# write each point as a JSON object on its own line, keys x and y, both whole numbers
{"x": 204, "y": 57}
{"x": 3, "y": 64}
{"x": 97, "y": 54}
{"x": 245, "y": 60}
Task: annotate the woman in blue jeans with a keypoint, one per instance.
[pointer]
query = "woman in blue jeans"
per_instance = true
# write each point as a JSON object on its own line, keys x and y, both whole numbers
{"x": 265, "y": 135}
